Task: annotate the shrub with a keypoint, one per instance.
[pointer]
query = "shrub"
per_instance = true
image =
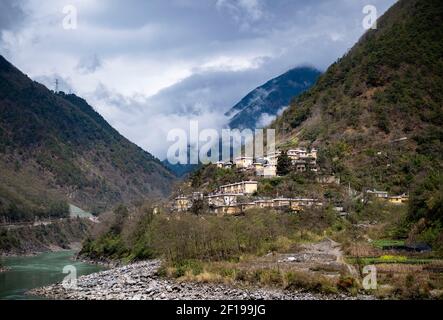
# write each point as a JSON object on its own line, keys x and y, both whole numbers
{"x": 308, "y": 282}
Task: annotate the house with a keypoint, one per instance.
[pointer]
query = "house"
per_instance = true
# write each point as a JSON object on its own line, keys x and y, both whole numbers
{"x": 224, "y": 165}
{"x": 245, "y": 187}
{"x": 302, "y": 160}
{"x": 313, "y": 154}
{"x": 244, "y": 162}
{"x": 267, "y": 171}
{"x": 247, "y": 206}
{"x": 264, "y": 204}
{"x": 272, "y": 158}
{"x": 297, "y": 154}
{"x": 378, "y": 194}
{"x": 182, "y": 204}
{"x": 220, "y": 164}
{"x": 218, "y": 200}
{"x": 404, "y": 198}
{"x": 228, "y": 165}
{"x": 300, "y": 167}
{"x": 282, "y": 203}
{"x": 332, "y": 179}
{"x": 234, "y": 209}
{"x": 258, "y": 166}
{"x": 197, "y": 196}
{"x": 228, "y": 210}
{"x": 299, "y": 203}
{"x": 303, "y": 154}
{"x": 339, "y": 209}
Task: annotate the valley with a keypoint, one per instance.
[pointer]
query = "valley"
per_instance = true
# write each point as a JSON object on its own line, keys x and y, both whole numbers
{"x": 352, "y": 194}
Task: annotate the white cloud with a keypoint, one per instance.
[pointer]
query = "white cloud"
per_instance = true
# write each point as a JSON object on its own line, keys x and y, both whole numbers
{"x": 148, "y": 66}
{"x": 266, "y": 119}
{"x": 242, "y": 9}
{"x": 89, "y": 64}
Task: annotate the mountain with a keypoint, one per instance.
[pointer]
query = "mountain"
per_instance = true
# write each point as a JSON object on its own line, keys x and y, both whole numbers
{"x": 377, "y": 113}
{"x": 262, "y": 105}
{"x": 180, "y": 170}
{"x": 54, "y": 148}
{"x": 269, "y": 100}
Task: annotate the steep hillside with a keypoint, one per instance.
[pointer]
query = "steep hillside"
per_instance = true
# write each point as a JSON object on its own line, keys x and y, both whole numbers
{"x": 270, "y": 99}
{"x": 377, "y": 114}
{"x": 55, "y": 148}
{"x": 27, "y": 240}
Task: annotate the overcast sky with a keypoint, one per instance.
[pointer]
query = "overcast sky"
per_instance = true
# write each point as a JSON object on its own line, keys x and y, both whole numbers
{"x": 152, "y": 65}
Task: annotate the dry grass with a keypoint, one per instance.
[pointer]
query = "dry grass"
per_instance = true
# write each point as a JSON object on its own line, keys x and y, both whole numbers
{"x": 205, "y": 277}
{"x": 251, "y": 272}
{"x": 399, "y": 268}
{"x": 362, "y": 250}
{"x": 406, "y": 281}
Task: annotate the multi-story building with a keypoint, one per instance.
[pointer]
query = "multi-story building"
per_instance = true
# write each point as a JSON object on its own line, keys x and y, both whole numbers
{"x": 182, "y": 204}
{"x": 272, "y": 158}
{"x": 245, "y": 187}
{"x": 302, "y": 160}
{"x": 244, "y": 162}
{"x": 218, "y": 200}
{"x": 296, "y": 154}
{"x": 267, "y": 171}
{"x": 197, "y": 196}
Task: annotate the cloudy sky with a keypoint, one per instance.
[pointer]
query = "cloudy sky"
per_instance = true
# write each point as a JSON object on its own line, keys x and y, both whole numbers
{"x": 149, "y": 66}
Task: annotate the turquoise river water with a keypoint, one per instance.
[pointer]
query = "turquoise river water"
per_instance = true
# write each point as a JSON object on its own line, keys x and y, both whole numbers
{"x": 26, "y": 273}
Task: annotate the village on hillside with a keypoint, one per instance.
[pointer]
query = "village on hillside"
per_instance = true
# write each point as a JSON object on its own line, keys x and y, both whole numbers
{"x": 237, "y": 198}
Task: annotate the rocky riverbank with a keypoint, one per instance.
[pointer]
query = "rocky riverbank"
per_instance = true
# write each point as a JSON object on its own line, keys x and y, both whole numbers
{"x": 103, "y": 262}
{"x": 141, "y": 282}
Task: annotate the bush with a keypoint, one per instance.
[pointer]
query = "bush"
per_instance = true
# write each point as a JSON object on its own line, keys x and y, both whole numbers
{"x": 311, "y": 283}
{"x": 189, "y": 237}
{"x": 182, "y": 267}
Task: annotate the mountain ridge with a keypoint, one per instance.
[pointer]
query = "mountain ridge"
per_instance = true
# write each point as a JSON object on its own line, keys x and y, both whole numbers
{"x": 387, "y": 87}
{"x": 271, "y": 98}
{"x": 67, "y": 151}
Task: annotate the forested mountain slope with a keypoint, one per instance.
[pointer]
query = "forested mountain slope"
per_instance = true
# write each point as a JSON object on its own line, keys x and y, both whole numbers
{"x": 55, "y": 148}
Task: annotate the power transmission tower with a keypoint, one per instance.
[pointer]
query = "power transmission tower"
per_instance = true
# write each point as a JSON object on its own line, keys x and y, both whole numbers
{"x": 56, "y": 85}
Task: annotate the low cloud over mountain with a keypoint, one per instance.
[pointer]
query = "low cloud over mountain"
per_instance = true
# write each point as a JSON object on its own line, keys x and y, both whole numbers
{"x": 176, "y": 60}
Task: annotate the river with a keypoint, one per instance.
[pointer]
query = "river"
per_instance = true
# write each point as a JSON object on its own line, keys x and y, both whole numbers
{"x": 26, "y": 273}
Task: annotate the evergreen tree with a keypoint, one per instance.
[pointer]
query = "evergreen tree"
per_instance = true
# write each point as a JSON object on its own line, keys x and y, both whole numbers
{"x": 199, "y": 207}
{"x": 284, "y": 164}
